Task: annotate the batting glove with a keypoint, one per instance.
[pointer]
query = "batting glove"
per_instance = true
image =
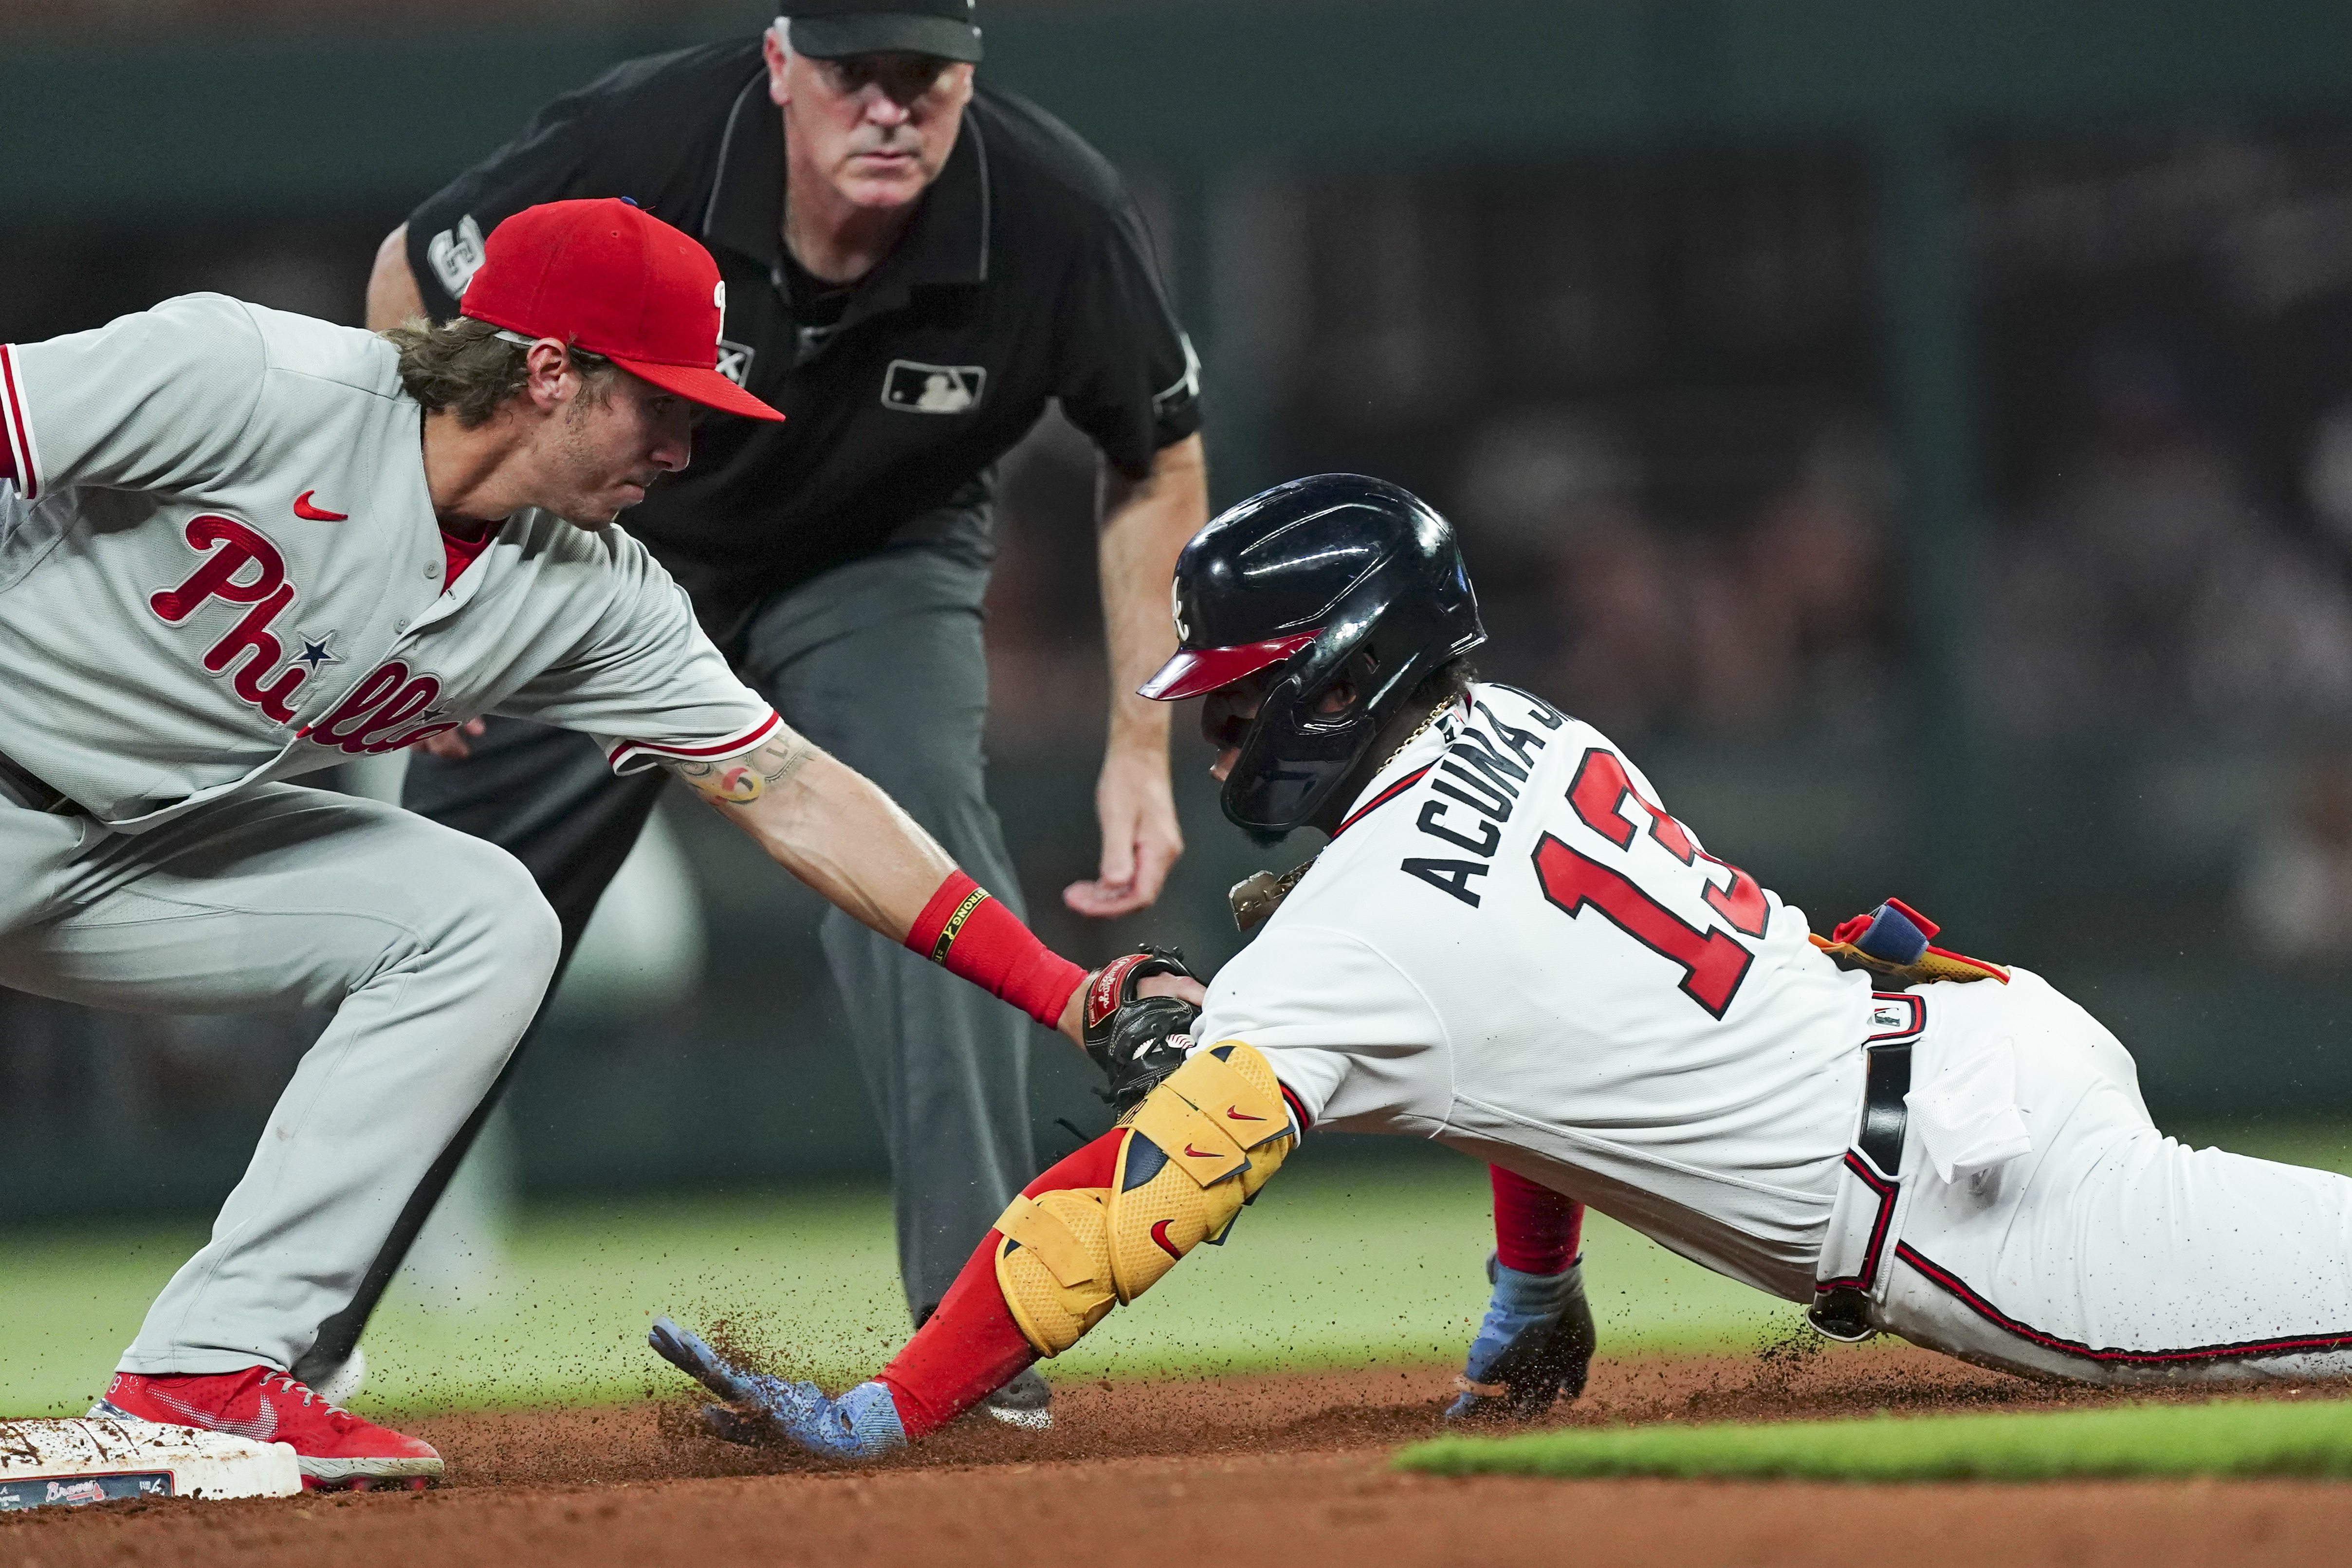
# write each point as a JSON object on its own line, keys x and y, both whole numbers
{"x": 1536, "y": 1344}
{"x": 862, "y": 1423}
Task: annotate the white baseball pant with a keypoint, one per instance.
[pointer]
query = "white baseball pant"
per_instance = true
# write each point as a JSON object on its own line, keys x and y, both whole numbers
{"x": 2111, "y": 1252}
{"x": 433, "y": 948}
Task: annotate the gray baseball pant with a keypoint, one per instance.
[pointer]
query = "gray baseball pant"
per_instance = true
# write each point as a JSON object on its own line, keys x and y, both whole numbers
{"x": 433, "y": 948}
{"x": 881, "y": 662}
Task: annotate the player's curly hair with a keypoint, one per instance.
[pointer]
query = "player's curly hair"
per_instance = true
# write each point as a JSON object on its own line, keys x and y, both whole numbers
{"x": 466, "y": 367}
{"x": 1449, "y": 680}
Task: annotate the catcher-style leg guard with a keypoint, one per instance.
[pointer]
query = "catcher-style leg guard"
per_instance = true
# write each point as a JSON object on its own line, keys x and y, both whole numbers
{"x": 1197, "y": 1148}
{"x": 1053, "y": 1266}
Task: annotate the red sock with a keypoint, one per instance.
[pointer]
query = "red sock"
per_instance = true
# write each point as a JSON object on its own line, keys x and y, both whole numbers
{"x": 1536, "y": 1230}
{"x": 970, "y": 1345}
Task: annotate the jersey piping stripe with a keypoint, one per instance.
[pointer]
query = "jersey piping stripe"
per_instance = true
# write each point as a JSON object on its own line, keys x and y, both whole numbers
{"x": 2000, "y": 1320}
{"x": 627, "y": 750}
{"x": 1187, "y": 384}
{"x": 726, "y": 144}
{"x": 1382, "y": 798}
{"x": 1864, "y": 1278}
{"x": 987, "y": 196}
{"x": 16, "y": 429}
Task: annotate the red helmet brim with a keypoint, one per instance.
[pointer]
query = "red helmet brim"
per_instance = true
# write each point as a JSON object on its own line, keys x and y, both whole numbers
{"x": 1197, "y": 670}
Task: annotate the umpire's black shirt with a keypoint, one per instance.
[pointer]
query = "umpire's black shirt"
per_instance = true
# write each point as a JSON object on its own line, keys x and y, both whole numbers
{"x": 1025, "y": 274}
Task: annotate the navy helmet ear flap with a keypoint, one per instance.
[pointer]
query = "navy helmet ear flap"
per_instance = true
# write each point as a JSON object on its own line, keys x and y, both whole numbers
{"x": 1290, "y": 763}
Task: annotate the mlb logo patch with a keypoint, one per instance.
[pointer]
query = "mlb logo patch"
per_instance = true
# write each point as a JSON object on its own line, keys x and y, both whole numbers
{"x": 913, "y": 387}
{"x": 735, "y": 361}
{"x": 1894, "y": 1015}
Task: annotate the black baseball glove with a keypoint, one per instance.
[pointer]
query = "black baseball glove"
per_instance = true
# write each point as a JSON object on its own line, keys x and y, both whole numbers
{"x": 1137, "y": 1040}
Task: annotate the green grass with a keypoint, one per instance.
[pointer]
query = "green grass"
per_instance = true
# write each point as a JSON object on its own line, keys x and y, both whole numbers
{"x": 2237, "y": 1437}
{"x": 1331, "y": 1267}
{"x": 1336, "y": 1265}
{"x": 2321, "y": 1145}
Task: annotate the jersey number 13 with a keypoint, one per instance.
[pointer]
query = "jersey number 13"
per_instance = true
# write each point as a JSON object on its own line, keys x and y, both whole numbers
{"x": 1713, "y": 962}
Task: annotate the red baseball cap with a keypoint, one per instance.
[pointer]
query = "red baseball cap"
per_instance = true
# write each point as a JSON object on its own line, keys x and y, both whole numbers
{"x": 609, "y": 278}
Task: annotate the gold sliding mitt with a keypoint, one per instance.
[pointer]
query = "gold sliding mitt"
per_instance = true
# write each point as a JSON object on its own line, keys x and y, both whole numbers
{"x": 1197, "y": 1148}
{"x": 1891, "y": 941}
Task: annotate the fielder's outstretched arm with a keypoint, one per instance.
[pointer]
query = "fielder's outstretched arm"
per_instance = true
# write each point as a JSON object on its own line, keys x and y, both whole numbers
{"x": 836, "y": 830}
{"x": 829, "y": 825}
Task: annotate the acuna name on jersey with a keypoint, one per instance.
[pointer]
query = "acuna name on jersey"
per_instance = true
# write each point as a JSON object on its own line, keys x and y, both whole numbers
{"x": 1492, "y": 782}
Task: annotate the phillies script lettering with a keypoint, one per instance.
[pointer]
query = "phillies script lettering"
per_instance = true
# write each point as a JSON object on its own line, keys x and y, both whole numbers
{"x": 233, "y": 548}
{"x": 241, "y": 567}
{"x": 371, "y": 718}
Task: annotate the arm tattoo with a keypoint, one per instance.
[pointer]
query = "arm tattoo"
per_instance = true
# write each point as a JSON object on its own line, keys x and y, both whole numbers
{"x": 740, "y": 779}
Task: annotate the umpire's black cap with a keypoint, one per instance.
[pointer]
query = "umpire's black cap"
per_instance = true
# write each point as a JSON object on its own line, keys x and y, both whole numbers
{"x": 831, "y": 29}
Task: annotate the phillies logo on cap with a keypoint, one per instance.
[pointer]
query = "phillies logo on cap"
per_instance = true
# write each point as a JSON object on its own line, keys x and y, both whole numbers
{"x": 611, "y": 279}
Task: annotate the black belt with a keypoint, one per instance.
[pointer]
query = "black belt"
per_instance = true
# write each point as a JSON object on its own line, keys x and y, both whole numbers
{"x": 1843, "y": 1311}
{"x": 23, "y": 788}
{"x": 1884, "y": 1114}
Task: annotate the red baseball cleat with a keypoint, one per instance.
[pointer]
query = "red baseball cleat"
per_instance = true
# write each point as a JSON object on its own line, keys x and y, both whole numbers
{"x": 336, "y": 1447}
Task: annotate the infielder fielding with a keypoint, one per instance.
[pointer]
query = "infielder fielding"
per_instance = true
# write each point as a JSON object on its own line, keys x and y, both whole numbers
{"x": 1510, "y": 946}
{"x": 238, "y": 546}
{"x": 915, "y": 266}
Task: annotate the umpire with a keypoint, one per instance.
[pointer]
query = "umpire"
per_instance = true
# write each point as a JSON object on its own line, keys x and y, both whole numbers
{"x": 913, "y": 267}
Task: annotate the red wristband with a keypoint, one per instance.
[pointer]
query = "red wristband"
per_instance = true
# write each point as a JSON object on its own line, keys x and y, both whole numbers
{"x": 1536, "y": 1230}
{"x": 973, "y": 935}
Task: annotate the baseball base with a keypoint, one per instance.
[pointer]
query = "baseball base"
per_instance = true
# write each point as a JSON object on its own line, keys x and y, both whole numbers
{"x": 94, "y": 1459}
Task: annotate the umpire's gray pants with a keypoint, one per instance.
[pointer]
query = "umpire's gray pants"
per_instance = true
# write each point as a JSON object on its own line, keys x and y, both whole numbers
{"x": 434, "y": 949}
{"x": 881, "y": 662}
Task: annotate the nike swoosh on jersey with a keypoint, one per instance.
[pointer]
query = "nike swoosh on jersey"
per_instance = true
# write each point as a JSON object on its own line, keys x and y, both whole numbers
{"x": 309, "y": 514}
{"x": 260, "y": 1428}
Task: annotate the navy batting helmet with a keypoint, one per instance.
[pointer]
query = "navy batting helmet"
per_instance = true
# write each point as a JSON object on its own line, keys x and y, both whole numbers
{"x": 1339, "y": 577}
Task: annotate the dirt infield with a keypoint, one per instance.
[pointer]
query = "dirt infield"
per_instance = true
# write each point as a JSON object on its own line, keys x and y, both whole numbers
{"x": 1290, "y": 1470}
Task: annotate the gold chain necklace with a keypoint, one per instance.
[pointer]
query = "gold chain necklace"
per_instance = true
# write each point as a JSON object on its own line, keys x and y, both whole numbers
{"x": 1259, "y": 894}
{"x": 1418, "y": 731}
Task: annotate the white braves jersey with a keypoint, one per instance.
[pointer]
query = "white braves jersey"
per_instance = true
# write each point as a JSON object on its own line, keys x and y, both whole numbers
{"x": 1510, "y": 947}
{"x": 219, "y": 565}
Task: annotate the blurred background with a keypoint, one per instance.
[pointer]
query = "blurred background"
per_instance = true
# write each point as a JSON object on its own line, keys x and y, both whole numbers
{"x": 1921, "y": 434}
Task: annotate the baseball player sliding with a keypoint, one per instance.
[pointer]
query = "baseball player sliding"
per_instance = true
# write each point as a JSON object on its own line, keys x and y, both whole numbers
{"x": 1511, "y": 947}
{"x": 238, "y": 546}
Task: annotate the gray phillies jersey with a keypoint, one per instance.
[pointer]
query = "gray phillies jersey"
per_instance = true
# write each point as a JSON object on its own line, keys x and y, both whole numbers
{"x": 219, "y": 565}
